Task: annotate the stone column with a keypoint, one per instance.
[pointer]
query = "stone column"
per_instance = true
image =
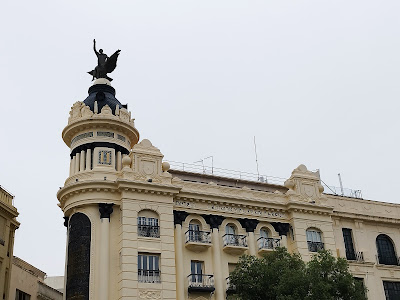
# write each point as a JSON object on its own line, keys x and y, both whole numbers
{"x": 71, "y": 166}
{"x": 180, "y": 276}
{"x": 77, "y": 162}
{"x": 179, "y": 217}
{"x": 252, "y": 243}
{"x": 215, "y": 222}
{"x": 105, "y": 210}
{"x": 250, "y": 225}
{"x": 82, "y": 162}
{"x": 88, "y": 159}
{"x": 118, "y": 161}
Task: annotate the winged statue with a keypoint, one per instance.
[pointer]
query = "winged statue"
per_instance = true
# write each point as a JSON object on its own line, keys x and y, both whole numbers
{"x": 105, "y": 64}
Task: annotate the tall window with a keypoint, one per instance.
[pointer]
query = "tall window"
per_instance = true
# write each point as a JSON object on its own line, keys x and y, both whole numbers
{"x": 196, "y": 269}
{"x": 314, "y": 240}
{"x": 386, "y": 252}
{"x": 194, "y": 232}
{"x": 148, "y": 225}
{"x": 348, "y": 243}
{"x": 392, "y": 290}
{"x": 230, "y": 229}
{"x": 148, "y": 268}
{"x": 20, "y": 295}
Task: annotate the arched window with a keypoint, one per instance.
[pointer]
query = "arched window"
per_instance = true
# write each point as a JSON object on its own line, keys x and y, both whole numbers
{"x": 314, "y": 240}
{"x": 148, "y": 225}
{"x": 230, "y": 229}
{"x": 194, "y": 231}
{"x": 264, "y": 233}
{"x": 78, "y": 268}
{"x": 386, "y": 252}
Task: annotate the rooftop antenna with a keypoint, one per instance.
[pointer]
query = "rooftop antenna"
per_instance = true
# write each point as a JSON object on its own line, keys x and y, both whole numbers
{"x": 341, "y": 184}
{"x": 255, "y": 151}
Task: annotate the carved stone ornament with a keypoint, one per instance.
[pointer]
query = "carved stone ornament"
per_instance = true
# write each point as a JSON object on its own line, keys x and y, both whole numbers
{"x": 105, "y": 210}
{"x": 281, "y": 228}
{"x": 249, "y": 224}
{"x": 213, "y": 220}
{"x": 147, "y": 294}
{"x": 179, "y": 216}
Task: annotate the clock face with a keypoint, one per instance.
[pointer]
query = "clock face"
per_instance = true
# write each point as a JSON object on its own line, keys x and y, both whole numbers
{"x": 104, "y": 157}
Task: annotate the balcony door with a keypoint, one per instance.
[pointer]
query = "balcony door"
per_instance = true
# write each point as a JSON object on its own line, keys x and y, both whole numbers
{"x": 194, "y": 232}
{"x": 348, "y": 243}
{"x": 196, "y": 268}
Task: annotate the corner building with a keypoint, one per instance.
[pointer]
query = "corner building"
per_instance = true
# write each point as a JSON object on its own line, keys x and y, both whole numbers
{"x": 140, "y": 230}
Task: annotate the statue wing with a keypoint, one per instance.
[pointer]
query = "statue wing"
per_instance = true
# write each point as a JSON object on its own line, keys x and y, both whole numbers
{"x": 111, "y": 62}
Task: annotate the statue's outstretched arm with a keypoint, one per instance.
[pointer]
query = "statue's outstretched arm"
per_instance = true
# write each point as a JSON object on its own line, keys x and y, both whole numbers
{"x": 94, "y": 47}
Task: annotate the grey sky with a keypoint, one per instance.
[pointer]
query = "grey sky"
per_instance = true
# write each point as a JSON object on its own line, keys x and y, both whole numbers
{"x": 317, "y": 82}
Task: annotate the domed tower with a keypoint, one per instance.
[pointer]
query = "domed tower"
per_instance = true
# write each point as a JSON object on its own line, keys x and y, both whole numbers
{"x": 118, "y": 205}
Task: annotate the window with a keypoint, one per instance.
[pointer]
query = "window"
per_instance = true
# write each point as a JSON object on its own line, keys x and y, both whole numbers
{"x": 348, "y": 243}
{"x": 386, "y": 252}
{"x": 264, "y": 233}
{"x": 392, "y": 290}
{"x": 148, "y": 268}
{"x": 148, "y": 224}
{"x": 230, "y": 229}
{"x": 20, "y": 295}
{"x": 194, "y": 232}
{"x": 314, "y": 240}
{"x": 196, "y": 270}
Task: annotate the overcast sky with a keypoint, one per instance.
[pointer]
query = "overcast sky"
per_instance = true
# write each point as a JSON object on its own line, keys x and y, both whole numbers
{"x": 317, "y": 82}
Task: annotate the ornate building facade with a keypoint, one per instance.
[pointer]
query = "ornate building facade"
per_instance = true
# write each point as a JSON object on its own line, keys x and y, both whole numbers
{"x": 8, "y": 225}
{"x": 140, "y": 230}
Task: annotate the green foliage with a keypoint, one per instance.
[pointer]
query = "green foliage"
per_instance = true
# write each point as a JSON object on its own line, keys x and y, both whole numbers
{"x": 284, "y": 276}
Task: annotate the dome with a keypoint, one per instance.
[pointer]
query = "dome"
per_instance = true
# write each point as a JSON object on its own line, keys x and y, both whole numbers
{"x": 104, "y": 95}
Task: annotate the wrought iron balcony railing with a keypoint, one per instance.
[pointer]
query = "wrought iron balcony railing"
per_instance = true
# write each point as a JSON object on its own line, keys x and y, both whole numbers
{"x": 149, "y": 276}
{"x": 357, "y": 256}
{"x": 268, "y": 243}
{"x": 201, "y": 283}
{"x": 388, "y": 260}
{"x": 149, "y": 231}
{"x": 197, "y": 236}
{"x": 234, "y": 240}
{"x": 315, "y": 246}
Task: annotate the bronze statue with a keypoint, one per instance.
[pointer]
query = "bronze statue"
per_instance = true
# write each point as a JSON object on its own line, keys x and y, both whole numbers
{"x": 105, "y": 64}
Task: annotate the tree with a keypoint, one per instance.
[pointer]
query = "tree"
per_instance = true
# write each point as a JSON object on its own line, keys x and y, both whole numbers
{"x": 284, "y": 276}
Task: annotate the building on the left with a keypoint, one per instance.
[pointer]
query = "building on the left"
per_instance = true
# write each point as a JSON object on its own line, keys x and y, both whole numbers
{"x": 8, "y": 225}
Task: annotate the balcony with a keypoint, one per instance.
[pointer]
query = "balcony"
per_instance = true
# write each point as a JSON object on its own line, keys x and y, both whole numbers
{"x": 197, "y": 241}
{"x": 149, "y": 231}
{"x": 149, "y": 276}
{"x": 200, "y": 283}
{"x": 315, "y": 246}
{"x": 230, "y": 288}
{"x": 388, "y": 260}
{"x": 355, "y": 256}
{"x": 234, "y": 244}
{"x": 266, "y": 245}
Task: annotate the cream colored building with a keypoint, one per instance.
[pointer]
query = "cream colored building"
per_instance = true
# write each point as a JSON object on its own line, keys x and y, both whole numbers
{"x": 27, "y": 283}
{"x": 140, "y": 230}
{"x": 8, "y": 225}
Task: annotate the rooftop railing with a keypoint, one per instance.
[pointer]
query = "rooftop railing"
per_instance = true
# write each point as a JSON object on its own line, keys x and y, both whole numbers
{"x": 203, "y": 169}
{"x": 338, "y": 191}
